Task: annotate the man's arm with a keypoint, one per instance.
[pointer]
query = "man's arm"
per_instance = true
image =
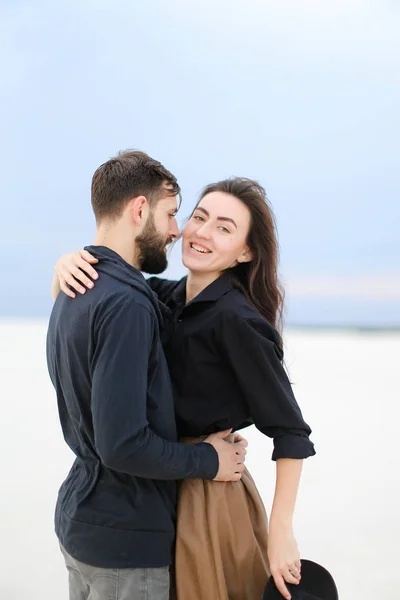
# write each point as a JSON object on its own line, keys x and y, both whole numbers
{"x": 123, "y": 438}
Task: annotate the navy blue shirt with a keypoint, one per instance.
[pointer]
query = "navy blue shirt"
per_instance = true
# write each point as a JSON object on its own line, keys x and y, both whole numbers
{"x": 225, "y": 362}
{"x": 117, "y": 507}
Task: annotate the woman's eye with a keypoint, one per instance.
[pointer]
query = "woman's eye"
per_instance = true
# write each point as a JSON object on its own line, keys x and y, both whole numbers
{"x": 224, "y": 229}
{"x": 198, "y": 218}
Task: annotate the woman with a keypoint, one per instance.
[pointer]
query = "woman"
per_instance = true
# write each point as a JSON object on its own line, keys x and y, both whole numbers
{"x": 225, "y": 358}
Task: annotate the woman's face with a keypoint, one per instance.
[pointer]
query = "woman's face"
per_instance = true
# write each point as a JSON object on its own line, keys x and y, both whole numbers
{"x": 214, "y": 239}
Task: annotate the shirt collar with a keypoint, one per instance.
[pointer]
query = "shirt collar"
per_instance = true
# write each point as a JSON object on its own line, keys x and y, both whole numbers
{"x": 211, "y": 293}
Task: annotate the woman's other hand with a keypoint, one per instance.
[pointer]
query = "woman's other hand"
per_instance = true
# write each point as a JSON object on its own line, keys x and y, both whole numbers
{"x": 284, "y": 558}
{"x": 74, "y": 269}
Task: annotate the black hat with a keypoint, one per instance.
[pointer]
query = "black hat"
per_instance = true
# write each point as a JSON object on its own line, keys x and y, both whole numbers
{"x": 315, "y": 584}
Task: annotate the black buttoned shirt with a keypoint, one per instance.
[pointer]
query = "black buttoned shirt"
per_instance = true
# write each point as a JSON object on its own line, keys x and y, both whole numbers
{"x": 225, "y": 362}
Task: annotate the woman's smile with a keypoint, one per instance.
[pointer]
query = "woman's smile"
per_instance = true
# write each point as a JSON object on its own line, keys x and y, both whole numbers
{"x": 199, "y": 248}
{"x": 218, "y": 230}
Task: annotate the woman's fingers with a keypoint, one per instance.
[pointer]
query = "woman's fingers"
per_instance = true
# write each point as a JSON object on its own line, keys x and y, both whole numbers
{"x": 73, "y": 283}
{"x": 74, "y": 271}
{"x": 81, "y": 276}
{"x": 288, "y": 574}
{"x": 88, "y": 257}
{"x": 292, "y": 576}
{"x": 294, "y": 570}
{"x": 83, "y": 264}
{"x": 280, "y": 584}
{"x": 64, "y": 288}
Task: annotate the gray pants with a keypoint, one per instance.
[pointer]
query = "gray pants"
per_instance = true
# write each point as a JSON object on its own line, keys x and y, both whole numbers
{"x": 94, "y": 583}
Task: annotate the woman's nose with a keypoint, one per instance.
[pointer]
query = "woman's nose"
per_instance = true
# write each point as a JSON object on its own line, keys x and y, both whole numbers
{"x": 203, "y": 231}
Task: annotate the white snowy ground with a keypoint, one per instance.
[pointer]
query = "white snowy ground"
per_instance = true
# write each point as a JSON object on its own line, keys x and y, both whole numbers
{"x": 347, "y": 514}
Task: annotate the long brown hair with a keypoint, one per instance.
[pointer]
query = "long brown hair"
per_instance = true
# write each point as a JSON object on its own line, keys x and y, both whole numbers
{"x": 258, "y": 279}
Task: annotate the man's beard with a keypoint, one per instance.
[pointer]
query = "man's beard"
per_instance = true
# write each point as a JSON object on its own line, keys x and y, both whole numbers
{"x": 152, "y": 257}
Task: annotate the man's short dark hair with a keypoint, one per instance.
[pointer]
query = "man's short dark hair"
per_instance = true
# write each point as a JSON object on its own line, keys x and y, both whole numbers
{"x": 131, "y": 173}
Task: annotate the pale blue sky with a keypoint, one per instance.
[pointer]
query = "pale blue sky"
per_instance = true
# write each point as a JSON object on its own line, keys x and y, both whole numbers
{"x": 302, "y": 95}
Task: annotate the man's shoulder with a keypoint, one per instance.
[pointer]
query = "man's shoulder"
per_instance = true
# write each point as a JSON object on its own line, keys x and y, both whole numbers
{"x": 124, "y": 298}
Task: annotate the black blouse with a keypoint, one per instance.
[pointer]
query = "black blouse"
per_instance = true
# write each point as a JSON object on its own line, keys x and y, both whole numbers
{"x": 226, "y": 367}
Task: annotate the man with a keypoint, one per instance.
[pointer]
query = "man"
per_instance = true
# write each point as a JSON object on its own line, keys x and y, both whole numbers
{"x": 115, "y": 512}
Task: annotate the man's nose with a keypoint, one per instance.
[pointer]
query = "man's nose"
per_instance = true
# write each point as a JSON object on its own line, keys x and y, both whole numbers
{"x": 174, "y": 230}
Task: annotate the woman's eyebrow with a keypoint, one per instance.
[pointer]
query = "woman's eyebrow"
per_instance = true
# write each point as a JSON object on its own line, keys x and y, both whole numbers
{"x": 203, "y": 210}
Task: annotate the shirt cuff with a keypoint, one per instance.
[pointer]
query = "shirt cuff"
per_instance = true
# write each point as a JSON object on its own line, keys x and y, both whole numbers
{"x": 292, "y": 446}
{"x": 209, "y": 462}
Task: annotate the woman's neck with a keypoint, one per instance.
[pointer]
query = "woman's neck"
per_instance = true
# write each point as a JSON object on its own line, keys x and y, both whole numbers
{"x": 197, "y": 282}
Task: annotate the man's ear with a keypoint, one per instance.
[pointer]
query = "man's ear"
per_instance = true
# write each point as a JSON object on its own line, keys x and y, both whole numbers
{"x": 246, "y": 257}
{"x": 139, "y": 210}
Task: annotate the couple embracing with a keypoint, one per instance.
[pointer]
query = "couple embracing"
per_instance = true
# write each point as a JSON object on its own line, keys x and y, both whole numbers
{"x": 154, "y": 380}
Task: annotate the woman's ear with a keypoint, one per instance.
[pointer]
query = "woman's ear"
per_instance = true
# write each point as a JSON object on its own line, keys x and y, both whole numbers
{"x": 246, "y": 257}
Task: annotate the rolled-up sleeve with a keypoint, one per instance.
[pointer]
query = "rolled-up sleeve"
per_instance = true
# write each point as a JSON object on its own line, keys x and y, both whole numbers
{"x": 254, "y": 355}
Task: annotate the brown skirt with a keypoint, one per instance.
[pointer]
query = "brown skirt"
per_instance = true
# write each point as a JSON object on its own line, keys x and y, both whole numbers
{"x": 221, "y": 542}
